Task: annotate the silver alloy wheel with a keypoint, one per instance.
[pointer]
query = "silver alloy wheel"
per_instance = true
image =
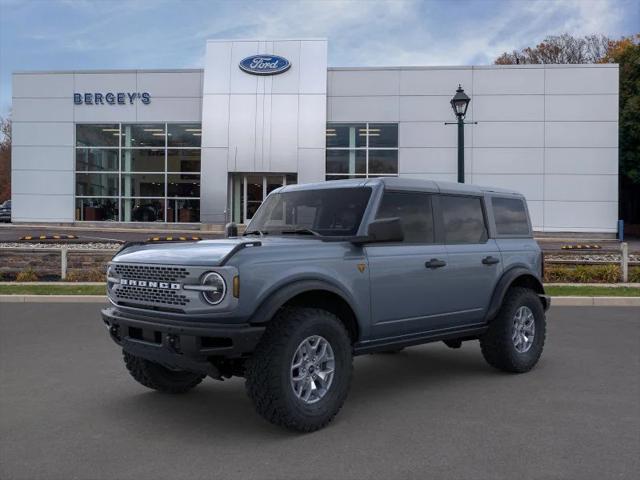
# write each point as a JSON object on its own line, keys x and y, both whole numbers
{"x": 524, "y": 329}
{"x": 312, "y": 369}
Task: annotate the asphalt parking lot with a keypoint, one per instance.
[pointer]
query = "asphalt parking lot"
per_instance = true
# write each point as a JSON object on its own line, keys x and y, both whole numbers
{"x": 68, "y": 410}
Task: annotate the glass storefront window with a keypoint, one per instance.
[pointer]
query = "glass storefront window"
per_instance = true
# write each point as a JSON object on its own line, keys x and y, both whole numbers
{"x": 143, "y": 160}
{"x": 344, "y": 135}
{"x": 102, "y": 135}
{"x": 97, "y": 159}
{"x": 361, "y": 150}
{"x": 183, "y": 211}
{"x": 143, "y": 209}
{"x": 142, "y": 168}
{"x": 183, "y": 161}
{"x": 180, "y": 185}
{"x": 97, "y": 184}
{"x": 346, "y": 161}
{"x": 96, "y": 209}
{"x": 144, "y": 135}
{"x": 184, "y": 135}
{"x": 143, "y": 185}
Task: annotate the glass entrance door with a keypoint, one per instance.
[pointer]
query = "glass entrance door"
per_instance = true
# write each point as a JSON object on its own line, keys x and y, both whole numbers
{"x": 248, "y": 191}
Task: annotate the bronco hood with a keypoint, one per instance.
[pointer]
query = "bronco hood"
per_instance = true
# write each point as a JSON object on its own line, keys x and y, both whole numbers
{"x": 202, "y": 253}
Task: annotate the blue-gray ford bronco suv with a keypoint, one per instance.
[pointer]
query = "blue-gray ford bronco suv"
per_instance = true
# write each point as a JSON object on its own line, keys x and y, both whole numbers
{"x": 324, "y": 272}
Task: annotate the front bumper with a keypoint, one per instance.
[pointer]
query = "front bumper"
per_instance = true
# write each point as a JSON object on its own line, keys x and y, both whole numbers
{"x": 184, "y": 345}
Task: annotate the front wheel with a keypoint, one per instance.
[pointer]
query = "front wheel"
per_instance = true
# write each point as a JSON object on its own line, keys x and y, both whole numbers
{"x": 515, "y": 338}
{"x": 299, "y": 375}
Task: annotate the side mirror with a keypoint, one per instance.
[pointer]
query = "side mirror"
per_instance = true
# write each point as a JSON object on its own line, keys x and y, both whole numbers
{"x": 231, "y": 230}
{"x": 385, "y": 230}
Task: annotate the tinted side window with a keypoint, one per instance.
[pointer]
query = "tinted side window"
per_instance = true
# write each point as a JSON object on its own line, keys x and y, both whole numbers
{"x": 510, "y": 215}
{"x": 414, "y": 211}
{"x": 463, "y": 219}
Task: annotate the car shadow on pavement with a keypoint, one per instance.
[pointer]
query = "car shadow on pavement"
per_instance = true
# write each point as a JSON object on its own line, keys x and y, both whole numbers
{"x": 216, "y": 407}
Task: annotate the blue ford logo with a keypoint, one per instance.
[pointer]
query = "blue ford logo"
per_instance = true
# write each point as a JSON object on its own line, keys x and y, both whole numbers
{"x": 265, "y": 64}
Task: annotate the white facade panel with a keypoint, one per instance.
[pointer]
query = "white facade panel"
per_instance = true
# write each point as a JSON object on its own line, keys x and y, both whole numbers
{"x": 501, "y": 108}
{"x": 536, "y": 213}
{"x": 581, "y": 108}
{"x": 428, "y": 108}
{"x": 594, "y": 161}
{"x": 42, "y": 208}
{"x": 514, "y": 160}
{"x": 435, "y": 81}
{"x": 375, "y": 109}
{"x": 39, "y": 182}
{"x": 531, "y": 186}
{"x": 170, "y": 84}
{"x": 508, "y": 134}
{"x": 580, "y": 216}
{"x": 431, "y": 134}
{"x": 284, "y": 128}
{"x": 508, "y": 80}
{"x": 42, "y": 110}
{"x": 432, "y": 160}
{"x": 43, "y": 158}
{"x": 42, "y": 85}
{"x": 242, "y": 133}
{"x": 311, "y": 165}
{"x": 312, "y": 120}
{"x": 573, "y": 80}
{"x": 240, "y": 81}
{"x": 438, "y": 177}
{"x": 313, "y": 67}
{"x": 581, "y": 188}
{"x": 42, "y": 134}
{"x": 213, "y": 193}
{"x": 105, "y": 113}
{"x": 581, "y": 134}
{"x": 105, "y": 82}
{"x": 217, "y": 59}
{"x": 170, "y": 110}
{"x": 363, "y": 82}
{"x": 217, "y": 109}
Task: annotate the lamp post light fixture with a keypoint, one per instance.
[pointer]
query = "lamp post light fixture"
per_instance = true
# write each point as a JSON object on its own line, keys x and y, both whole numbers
{"x": 459, "y": 104}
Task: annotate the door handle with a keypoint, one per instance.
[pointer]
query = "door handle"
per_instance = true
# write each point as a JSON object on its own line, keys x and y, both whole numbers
{"x": 490, "y": 260}
{"x": 435, "y": 263}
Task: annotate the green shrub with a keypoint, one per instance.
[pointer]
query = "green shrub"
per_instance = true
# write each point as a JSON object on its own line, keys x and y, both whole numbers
{"x": 582, "y": 273}
{"x": 27, "y": 275}
{"x": 634, "y": 274}
{"x": 94, "y": 275}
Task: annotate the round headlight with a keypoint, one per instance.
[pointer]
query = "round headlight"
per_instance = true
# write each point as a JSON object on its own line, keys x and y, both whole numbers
{"x": 216, "y": 288}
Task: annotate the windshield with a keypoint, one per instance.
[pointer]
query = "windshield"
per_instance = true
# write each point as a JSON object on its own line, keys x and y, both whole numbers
{"x": 326, "y": 212}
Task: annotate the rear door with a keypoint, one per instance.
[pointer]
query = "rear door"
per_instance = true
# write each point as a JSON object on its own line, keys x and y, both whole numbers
{"x": 408, "y": 294}
{"x": 475, "y": 263}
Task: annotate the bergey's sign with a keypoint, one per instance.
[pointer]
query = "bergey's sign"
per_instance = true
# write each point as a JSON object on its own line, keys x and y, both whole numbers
{"x": 265, "y": 64}
{"x": 110, "y": 98}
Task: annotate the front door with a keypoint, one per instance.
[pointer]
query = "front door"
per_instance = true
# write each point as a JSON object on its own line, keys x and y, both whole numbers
{"x": 408, "y": 292}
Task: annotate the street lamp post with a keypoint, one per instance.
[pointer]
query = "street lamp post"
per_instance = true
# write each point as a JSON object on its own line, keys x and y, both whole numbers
{"x": 459, "y": 104}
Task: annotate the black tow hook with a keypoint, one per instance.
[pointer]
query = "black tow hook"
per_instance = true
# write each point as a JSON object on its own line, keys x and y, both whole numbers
{"x": 173, "y": 343}
{"x": 114, "y": 331}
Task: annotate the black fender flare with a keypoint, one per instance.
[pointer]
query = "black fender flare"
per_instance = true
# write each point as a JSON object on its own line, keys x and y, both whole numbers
{"x": 281, "y": 295}
{"x": 505, "y": 282}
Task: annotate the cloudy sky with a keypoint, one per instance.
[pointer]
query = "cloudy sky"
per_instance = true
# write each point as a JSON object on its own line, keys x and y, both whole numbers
{"x": 104, "y": 34}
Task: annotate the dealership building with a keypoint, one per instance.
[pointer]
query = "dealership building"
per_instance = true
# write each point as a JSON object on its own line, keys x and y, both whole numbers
{"x": 207, "y": 145}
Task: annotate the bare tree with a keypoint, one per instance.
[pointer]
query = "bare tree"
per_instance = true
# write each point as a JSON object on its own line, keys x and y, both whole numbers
{"x": 563, "y": 48}
{"x": 5, "y": 159}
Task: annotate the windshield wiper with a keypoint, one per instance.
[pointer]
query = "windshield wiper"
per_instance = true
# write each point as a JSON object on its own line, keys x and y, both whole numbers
{"x": 301, "y": 231}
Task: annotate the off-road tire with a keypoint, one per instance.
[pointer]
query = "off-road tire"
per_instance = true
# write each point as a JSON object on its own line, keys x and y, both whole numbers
{"x": 496, "y": 344}
{"x": 155, "y": 376}
{"x": 268, "y": 371}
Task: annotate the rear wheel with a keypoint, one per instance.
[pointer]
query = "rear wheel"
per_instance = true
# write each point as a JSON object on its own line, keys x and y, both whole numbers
{"x": 157, "y": 377}
{"x": 299, "y": 375}
{"x": 515, "y": 338}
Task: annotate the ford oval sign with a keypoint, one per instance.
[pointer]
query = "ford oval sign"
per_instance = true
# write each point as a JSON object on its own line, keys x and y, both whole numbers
{"x": 265, "y": 64}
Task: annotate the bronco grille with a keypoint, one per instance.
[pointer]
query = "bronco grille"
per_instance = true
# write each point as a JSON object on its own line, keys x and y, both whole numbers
{"x": 149, "y": 272}
{"x": 150, "y": 295}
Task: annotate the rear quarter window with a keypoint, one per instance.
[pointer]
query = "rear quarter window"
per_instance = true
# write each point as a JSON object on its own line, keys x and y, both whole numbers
{"x": 511, "y": 216}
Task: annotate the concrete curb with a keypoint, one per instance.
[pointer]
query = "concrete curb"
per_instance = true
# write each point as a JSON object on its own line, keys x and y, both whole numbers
{"x": 555, "y": 301}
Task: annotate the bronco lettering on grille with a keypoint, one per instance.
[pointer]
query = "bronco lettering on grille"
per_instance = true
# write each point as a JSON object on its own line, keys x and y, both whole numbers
{"x": 150, "y": 284}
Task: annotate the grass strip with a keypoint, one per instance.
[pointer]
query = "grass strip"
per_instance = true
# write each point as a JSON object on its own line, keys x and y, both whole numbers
{"x": 52, "y": 289}
{"x": 591, "y": 291}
